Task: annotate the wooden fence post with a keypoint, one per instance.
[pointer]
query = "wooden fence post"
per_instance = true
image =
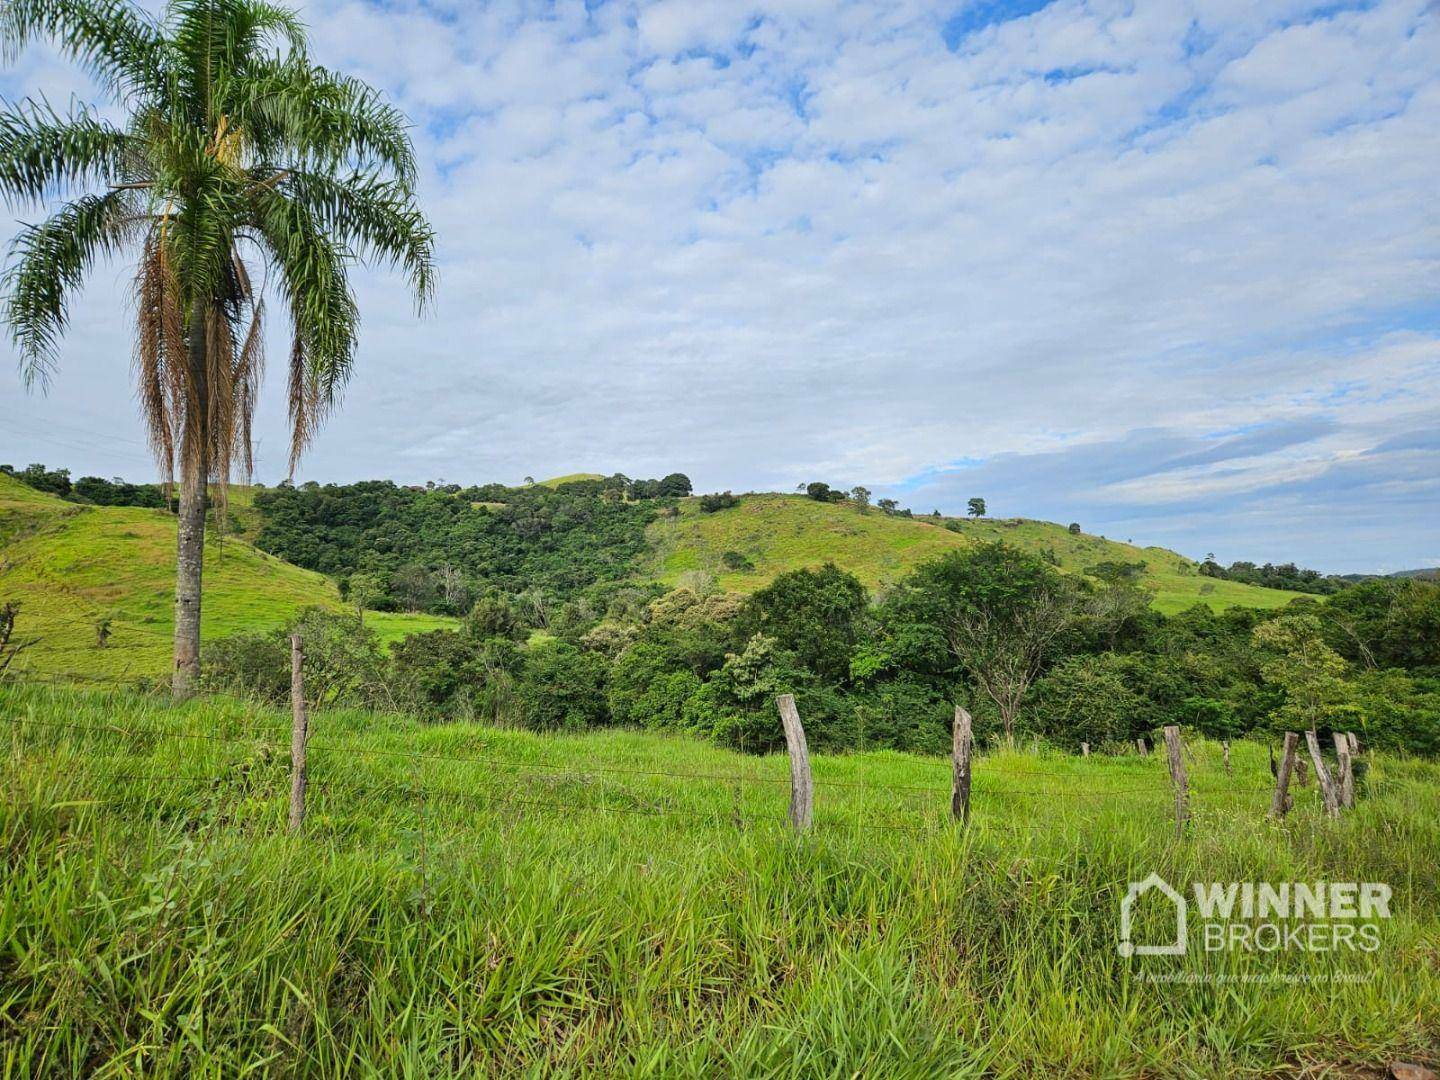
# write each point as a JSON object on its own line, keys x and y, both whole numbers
{"x": 1346, "y": 768}
{"x": 1084, "y": 749}
{"x": 1302, "y": 772}
{"x": 1141, "y": 748}
{"x": 299, "y": 733}
{"x": 1328, "y": 794}
{"x": 1225, "y": 749}
{"x": 802, "y": 787}
{"x": 963, "y": 745}
{"x": 1178, "y": 778}
{"x": 1354, "y": 741}
{"x": 1281, "y": 803}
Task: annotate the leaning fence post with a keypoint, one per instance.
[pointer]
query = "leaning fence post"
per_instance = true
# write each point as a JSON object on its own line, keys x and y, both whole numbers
{"x": 1177, "y": 777}
{"x": 1281, "y": 803}
{"x": 962, "y": 746}
{"x": 802, "y": 787}
{"x": 1141, "y": 748}
{"x": 299, "y": 732}
{"x": 1327, "y": 785}
{"x": 1346, "y": 768}
{"x": 1354, "y": 741}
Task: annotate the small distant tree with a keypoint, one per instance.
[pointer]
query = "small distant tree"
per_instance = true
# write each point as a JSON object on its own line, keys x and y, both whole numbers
{"x": 676, "y": 485}
{"x": 1074, "y": 528}
{"x": 887, "y": 505}
{"x": 977, "y": 507}
{"x": 818, "y": 490}
{"x": 365, "y": 590}
{"x": 860, "y": 496}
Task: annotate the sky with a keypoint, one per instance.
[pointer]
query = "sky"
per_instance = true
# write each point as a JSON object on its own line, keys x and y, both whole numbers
{"x": 1169, "y": 270}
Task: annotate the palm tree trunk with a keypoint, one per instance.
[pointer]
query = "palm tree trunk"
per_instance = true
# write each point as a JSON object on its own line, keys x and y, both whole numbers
{"x": 190, "y": 543}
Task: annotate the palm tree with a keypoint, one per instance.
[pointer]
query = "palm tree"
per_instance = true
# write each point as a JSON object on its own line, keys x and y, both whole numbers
{"x": 238, "y": 155}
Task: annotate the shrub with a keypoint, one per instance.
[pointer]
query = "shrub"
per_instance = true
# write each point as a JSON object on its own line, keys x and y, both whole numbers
{"x": 735, "y": 560}
{"x": 1084, "y": 699}
{"x": 343, "y": 662}
{"x": 722, "y": 500}
{"x": 561, "y": 688}
{"x": 649, "y": 685}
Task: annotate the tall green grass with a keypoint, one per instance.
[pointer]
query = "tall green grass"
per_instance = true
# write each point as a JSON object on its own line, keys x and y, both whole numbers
{"x": 571, "y": 906}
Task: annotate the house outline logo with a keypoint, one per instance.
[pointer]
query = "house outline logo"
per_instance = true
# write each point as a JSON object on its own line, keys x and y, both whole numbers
{"x": 1138, "y": 889}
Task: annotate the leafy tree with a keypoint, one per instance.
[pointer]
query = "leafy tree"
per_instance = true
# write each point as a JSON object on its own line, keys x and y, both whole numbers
{"x": 860, "y": 496}
{"x": 649, "y": 685}
{"x": 1391, "y": 622}
{"x": 816, "y": 615}
{"x": 1074, "y": 528}
{"x": 1309, "y": 671}
{"x": 736, "y": 707}
{"x": 494, "y": 616}
{"x": 976, "y": 507}
{"x": 232, "y": 134}
{"x": 675, "y": 485}
{"x": 887, "y": 505}
{"x": 819, "y": 491}
{"x": 364, "y": 591}
{"x": 561, "y": 688}
{"x": 1086, "y": 699}
{"x": 1002, "y": 612}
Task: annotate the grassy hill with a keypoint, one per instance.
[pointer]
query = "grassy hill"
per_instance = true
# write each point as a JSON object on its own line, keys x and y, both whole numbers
{"x": 570, "y": 478}
{"x": 475, "y": 901}
{"x": 777, "y": 533}
{"x": 70, "y": 566}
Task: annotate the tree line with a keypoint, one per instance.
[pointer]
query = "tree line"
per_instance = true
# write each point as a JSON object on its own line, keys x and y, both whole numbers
{"x": 1031, "y": 652}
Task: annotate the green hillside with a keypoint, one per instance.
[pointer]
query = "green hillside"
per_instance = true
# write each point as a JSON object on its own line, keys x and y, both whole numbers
{"x": 570, "y": 478}
{"x": 777, "y": 533}
{"x": 70, "y": 566}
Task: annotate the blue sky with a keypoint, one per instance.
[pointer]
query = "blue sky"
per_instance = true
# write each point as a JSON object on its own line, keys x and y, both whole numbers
{"x": 1170, "y": 270}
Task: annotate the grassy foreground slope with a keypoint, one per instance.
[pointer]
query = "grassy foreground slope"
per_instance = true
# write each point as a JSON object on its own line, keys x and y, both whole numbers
{"x": 70, "y": 566}
{"x": 582, "y": 906}
{"x": 786, "y": 532}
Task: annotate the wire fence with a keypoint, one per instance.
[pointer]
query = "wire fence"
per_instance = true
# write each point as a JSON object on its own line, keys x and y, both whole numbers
{"x": 510, "y": 783}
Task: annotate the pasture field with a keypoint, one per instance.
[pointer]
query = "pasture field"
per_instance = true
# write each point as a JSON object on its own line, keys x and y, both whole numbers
{"x": 469, "y": 900}
{"x": 790, "y": 532}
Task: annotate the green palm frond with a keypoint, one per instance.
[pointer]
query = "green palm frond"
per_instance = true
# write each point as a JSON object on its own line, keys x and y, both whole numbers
{"x": 44, "y": 154}
{"x": 48, "y": 263}
{"x": 376, "y": 218}
{"x": 113, "y": 41}
{"x": 323, "y": 120}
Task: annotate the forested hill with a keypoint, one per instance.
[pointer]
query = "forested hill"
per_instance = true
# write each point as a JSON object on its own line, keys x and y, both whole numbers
{"x": 437, "y": 549}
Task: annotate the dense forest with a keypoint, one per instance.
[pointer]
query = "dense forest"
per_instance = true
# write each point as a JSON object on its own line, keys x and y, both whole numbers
{"x": 438, "y": 549}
